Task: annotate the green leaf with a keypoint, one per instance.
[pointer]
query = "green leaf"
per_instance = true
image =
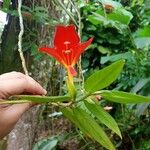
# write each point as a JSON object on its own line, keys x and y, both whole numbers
{"x": 111, "y": 2}
{"x": 112, "y": 58}
{"x": 100, "y": 19}
{"x": 103, "y": 117}
{"x": 140, "y": 109}
{"x": 103, "y": 50}
{"x": 123, "y": 97}
{"x": 119, "y": 13}
{"x": 68, "y": 113}
{"x": 46, "y": 144}
{"x": 143, "y": 32}
{"x": 36, "y": 99}
{"x": 88, "y": 125}
{"x": 14, "y": 102}
{"x": 142, "y": 42}
{"x": 6, "y": 4}
{"x": 117, "y": 16}
{"x": 103, "y": 78}
{"x": 140, "y": 84}
{"x": 39, "y": 99}
{"x": 142, "y": 37}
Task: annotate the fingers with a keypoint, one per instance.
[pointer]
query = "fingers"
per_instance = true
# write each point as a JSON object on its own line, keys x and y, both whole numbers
{"x": 11, "y": 84}
{"x": 10, "y": 75}
{"x": 16, "y": 83}
{"x": 9, "y": 117}
{"x": 33, "y": 87}
{"x": 16, "y": 111}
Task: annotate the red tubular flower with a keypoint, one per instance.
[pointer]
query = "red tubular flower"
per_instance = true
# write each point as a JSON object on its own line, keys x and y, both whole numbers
{"x": 67, "y": 47}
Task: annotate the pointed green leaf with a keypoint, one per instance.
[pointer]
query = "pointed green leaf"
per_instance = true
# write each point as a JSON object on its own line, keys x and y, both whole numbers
{"x": 124, "y": 97}
{"x": 68, "y": 112}
{"x": 88, "y": 125}
{"x": 42, "y": 99}
{"x": 18, "y": 99}
{"x": 46, "y": 144}
{"x": 103, "y": 78}
{"x": 14, "y": 102}
{"x": 92, "y": 128}
{"x": 103, "y": 116}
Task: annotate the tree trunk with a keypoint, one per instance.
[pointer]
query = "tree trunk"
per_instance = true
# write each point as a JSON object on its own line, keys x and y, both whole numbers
{"x": 22, "y": 137}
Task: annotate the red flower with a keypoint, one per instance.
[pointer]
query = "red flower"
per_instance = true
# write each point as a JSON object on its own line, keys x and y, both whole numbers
{"x": 67, "y": 47}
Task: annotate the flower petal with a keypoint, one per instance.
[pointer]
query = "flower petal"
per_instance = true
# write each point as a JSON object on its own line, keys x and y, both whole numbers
{"x": 65, "y": 35}
{"x": 79, "y": 49}
{"x": 52, "y": 52}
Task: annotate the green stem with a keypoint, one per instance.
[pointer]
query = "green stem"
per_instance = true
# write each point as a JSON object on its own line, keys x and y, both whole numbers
{"x": 71, "y": 87}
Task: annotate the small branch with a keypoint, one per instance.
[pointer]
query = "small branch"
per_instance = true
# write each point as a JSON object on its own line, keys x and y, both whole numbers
{"x": 65, "y": 9}
{"x": 20, "y": 38}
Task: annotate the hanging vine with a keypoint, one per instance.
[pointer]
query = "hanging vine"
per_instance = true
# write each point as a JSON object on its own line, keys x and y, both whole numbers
{"x": 20, "y": 38}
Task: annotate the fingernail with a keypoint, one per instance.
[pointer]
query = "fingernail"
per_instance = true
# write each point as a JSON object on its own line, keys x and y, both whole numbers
{"x": 44, "y": 92}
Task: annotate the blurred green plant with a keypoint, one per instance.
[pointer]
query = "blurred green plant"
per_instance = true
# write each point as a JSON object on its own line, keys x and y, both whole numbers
{"x": 128, "y": 39}
{"x": 49, "y": 143}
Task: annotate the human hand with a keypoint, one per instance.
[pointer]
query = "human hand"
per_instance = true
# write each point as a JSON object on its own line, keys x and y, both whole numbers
{"x": 11, "y": 84}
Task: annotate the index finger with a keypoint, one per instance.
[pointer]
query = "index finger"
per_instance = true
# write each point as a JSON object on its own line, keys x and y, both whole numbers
{"x": 20, "y": 84}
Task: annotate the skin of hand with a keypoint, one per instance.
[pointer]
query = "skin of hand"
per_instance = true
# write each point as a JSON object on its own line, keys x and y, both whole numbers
{"x": 14, "y": 83}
